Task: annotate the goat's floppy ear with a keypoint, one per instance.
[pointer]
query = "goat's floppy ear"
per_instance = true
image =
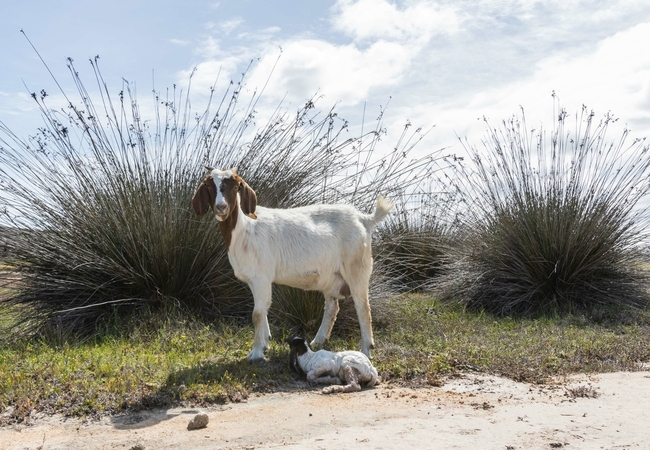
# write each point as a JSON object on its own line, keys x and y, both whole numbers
{"x": 248, "y": 199}
{"x": 205, "y": 196}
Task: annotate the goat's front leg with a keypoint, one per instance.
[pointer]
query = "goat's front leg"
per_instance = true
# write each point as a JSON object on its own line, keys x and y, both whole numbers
{"x": 262, "y": 295}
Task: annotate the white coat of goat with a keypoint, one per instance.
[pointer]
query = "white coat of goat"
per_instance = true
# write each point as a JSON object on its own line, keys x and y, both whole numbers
{"x": 320, "y": 247}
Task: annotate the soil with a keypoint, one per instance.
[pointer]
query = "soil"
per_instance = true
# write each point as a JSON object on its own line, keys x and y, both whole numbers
{"x": 470, "y": 411}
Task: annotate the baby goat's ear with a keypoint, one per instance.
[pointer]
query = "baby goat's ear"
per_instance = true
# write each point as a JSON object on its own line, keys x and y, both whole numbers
{"x": 293, "y": 362}
{"x": 248, "y": 198}
{"x": 298, "y": 345}
{"x": 205, "y": 196}
{"x": 294, "y": 365}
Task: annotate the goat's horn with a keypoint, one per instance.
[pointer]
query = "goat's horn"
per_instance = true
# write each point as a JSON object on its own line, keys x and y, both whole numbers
{"x": 209, "y": 168}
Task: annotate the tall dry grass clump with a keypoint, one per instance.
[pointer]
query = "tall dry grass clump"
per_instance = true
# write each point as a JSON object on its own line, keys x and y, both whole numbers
{"x": 552, "y": 221}
{"x": 415, "y": 238}
{"x": 99, "y": 199}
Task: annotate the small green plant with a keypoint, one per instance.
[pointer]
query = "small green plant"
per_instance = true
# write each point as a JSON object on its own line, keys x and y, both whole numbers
{"x": 552, "y": 222}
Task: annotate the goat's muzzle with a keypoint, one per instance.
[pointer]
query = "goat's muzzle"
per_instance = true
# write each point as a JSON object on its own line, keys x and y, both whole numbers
{"x": 221, "y": 212}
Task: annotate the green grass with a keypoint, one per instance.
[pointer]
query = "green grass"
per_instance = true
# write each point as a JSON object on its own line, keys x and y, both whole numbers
{"x": 418, "y": 339}
{"x": 182, "y": 363}
{"x": 429, "y": 338}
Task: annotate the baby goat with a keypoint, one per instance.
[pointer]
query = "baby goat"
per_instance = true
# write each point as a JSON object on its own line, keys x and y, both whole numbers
{"x": 322, "y": 367}
{"x": 319, "y": 247}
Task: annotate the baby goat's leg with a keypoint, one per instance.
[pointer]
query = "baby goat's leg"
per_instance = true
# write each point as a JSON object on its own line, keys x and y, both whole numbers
{"x": 262, "y": 296}
{"x": 327, "y": 379}
{"x": 351, "y": 377}
{"x": 329, "y": 317}
{"x": 323, "y": 375}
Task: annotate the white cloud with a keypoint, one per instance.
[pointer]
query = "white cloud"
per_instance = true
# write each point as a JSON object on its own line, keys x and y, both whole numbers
{"x": 614, "y": 77}
{"x": 229, "y": 25}
{"x": 451, "y": 63}
{"x": 270, "y": 30}
{"x": 210, "y": 48}
{"x": 341, "y": 73}
{"x": 17, "y": 103}
{"x": 215, "y": 73}
{"x": 386, "y": 38}
{"x": 179, "y": 42}
{"x": 380, "y": 19}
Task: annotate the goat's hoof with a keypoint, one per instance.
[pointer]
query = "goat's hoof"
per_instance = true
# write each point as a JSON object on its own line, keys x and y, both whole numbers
{"x": 256, "y": 357}
{"x": 256, "y": 361}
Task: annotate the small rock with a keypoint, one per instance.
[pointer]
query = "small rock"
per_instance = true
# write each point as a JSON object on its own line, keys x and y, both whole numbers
{"x": 138, "y": 447}
{"x": 199, "y": 421}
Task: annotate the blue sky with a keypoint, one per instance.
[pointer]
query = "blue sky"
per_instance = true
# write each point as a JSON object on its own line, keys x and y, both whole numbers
{"x": 442, "y": 63}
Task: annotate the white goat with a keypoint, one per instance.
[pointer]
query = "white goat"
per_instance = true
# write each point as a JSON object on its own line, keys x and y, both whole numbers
{"x": 322, "y": 367}
{"x": 319, "y": 247}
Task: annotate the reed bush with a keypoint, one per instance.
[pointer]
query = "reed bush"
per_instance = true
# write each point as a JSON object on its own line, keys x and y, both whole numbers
{"x": 551, "y": 221}
{"x": 415, "y": 238}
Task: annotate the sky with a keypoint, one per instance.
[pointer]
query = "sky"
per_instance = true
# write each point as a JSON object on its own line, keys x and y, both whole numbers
{"x": 441, "y": 64}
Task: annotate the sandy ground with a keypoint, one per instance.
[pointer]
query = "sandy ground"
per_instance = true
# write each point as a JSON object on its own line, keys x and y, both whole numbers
{"x": 605, "y": 411}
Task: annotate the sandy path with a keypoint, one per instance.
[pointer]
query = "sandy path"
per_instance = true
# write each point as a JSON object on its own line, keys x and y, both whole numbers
{"x": 470, "y": 412}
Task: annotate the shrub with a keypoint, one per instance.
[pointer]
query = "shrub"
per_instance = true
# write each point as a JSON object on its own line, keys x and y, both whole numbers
{"x": 414, "y": 240}
{"x": 100, "y": 199}
{"x": 551, "y": 223}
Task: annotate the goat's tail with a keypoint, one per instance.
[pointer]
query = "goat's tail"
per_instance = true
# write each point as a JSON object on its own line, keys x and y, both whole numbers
{"x": 383, "y": 208}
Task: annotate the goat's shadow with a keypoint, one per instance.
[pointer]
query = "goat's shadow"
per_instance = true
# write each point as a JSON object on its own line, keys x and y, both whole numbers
{"x": 166, "y": 401}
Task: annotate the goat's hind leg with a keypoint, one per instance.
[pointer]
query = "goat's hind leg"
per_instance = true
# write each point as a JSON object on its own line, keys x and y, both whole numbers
{"x": 362, "y": 305}
{"x": 330, "y": 312}
{"x": 357, "y": 276}
{"x": 323, "y": 375}
{"x": 351, "y": 377}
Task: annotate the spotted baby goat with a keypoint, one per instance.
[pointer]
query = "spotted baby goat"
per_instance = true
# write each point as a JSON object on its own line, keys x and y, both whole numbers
{"x": 350, "y": 368}
{"x": 319, "y": 247}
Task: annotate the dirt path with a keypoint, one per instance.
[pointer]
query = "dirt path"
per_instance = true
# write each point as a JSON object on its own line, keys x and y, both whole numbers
{"x": 471, "y": 412}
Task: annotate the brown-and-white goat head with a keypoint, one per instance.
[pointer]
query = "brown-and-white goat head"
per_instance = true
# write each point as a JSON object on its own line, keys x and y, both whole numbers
{"x": 218, "y": 191}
